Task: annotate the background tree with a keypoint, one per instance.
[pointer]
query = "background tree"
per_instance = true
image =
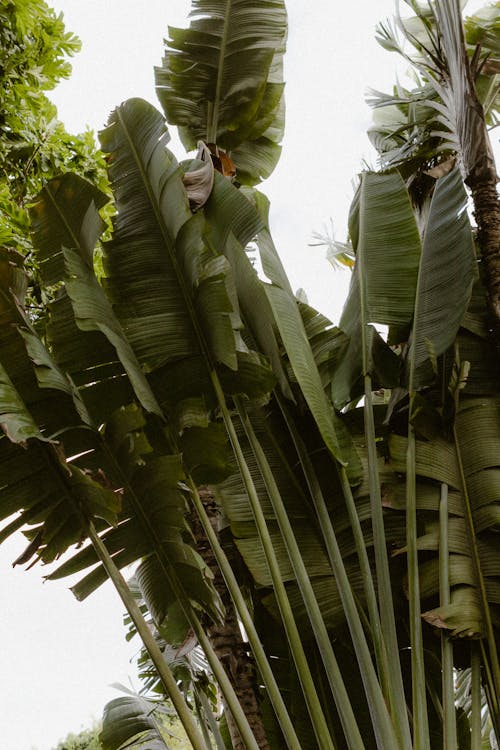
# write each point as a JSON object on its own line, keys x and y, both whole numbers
{"x": 87, "y": 739}
{"x": 34, "y": 146}
{"x": 448, "y": 113}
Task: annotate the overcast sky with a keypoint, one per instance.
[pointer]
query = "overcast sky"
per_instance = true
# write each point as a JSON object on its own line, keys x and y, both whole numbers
{"x": 58, "y": 656}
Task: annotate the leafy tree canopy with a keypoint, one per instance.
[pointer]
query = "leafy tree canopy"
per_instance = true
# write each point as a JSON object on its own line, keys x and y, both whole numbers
{"x": 87, "y": 739}
{"x": 34, "y": 145}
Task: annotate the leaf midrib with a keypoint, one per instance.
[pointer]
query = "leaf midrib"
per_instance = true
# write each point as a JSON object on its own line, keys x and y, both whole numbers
{"x": 212, "y": 125}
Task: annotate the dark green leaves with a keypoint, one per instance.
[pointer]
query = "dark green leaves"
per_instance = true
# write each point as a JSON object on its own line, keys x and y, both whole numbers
{"x": 446, "y": 275}
{"x": 222, "y": 81}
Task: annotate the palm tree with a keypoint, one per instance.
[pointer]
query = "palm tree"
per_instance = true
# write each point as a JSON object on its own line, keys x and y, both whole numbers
{"x": 448, "y": 113}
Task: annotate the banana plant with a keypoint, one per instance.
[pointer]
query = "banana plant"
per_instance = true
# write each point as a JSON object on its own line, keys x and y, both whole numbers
{"x": 433, "y": 405}
{"x": 221, "y": 82}
{"x": 180, "y": 368}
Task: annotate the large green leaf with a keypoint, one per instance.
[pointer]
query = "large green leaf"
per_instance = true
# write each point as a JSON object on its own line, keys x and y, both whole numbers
{"x": 398, "y": 279}
{"x": 234, "y": 221}
{"x": 291, "y": 329}
{"x": 387, "y": 245}
{"x": 387, "y": 248}
{"x": 66, "y": 226}
{"x": 132, "y": 719}
{"x": 64, "y": 214}
{"x": 222, "y": 81}
{"x": 446, "y": 275}
{"x": 173, "y": 295}
{"x": 152, "y": 524}
{"x": 38, "y": 404}
{"x": 108, "y": 465}
{"x": 479, "y": 441}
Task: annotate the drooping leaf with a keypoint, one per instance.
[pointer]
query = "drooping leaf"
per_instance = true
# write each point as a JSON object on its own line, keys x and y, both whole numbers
{"x": 15, "y": 420}
{"x": 131, "y": 719}
{"x": 446, "y": 275}
{"x": 65, "y": 214}
{"x": 437, "y": 460}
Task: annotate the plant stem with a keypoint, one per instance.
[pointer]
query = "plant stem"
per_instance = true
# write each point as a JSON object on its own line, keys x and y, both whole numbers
{"x": 207, "y": 711}
{"x": 333, "y": 673}
{"x": 420, "y": 717}
{"x": 475, "y": 689}
{"x": 381, "y": 722}
{"x": 262, "y": 662}
{"x": 149, "y": 641}
{"x": 448, "y": 688}
{"x": 301, "y": 662}
{"x": 383, "y": 627}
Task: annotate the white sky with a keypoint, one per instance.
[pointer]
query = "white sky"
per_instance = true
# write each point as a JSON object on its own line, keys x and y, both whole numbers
{"x": 58, "y": 656}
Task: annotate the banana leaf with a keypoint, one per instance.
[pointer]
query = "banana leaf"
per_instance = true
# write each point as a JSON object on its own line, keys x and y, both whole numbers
{"x": 222, "y": 81}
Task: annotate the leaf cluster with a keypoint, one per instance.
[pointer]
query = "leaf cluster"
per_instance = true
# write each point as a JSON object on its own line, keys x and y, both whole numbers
{"x": 34, "y": 145}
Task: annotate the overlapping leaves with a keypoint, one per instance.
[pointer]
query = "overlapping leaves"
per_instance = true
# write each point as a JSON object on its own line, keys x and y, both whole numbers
{"x": 222, "y": 81}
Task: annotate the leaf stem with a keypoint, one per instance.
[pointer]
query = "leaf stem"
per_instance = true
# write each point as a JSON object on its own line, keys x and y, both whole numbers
{"x": 381, "y": 722}
{"x": 448, "y": 688}
{"x": 383, "y": 625}
{"x": 248, "y": 624}
{"x": 149, "y": 641}
{"x": 475, "y": 690}
{"x": 301, "y": 662}
{"x": 213, "y": 122}
{"x": 420, "y": 716}
{"x": 333, "y": 673}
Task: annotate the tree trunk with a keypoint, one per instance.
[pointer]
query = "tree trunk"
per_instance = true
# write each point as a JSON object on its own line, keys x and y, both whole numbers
{"x": 487, "y": 215}
{"x": 227, "y": 640}
{"x": 478, "y": 164}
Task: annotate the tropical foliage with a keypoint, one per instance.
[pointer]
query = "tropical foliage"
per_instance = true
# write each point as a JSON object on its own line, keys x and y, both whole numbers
{"x": 87, "y": 739}
{"x": 447, "y": 115}
{"x": 34, "y": 145}
{"x": 352, "y": 501}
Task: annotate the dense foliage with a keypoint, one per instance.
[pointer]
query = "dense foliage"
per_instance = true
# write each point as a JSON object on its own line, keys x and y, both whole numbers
{"x": 333, "y": 490}
{"x": 34, "y": 145}
{"x": 87, "y": 739}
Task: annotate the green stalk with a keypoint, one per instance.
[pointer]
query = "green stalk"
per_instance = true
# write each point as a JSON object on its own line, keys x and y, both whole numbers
{"x": 384, "y": 730}
{"x": 207, "y": 712}
{"x": 301, "y": 662}
{"x": 475, "y": 690}
{"x": 448, "y": 688}
{"x": 203, "y": 726}
{"x": 178, "y": 589}
{"x": 333, "y": 673}
{"x": 382, "y": 618}
{"x": 420, "y": 718}
{"x": 261, "y": 660}
{"x": 149, "y": 641}
{"x": 384, "y": 629}
{"x": 213, "y": 120}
